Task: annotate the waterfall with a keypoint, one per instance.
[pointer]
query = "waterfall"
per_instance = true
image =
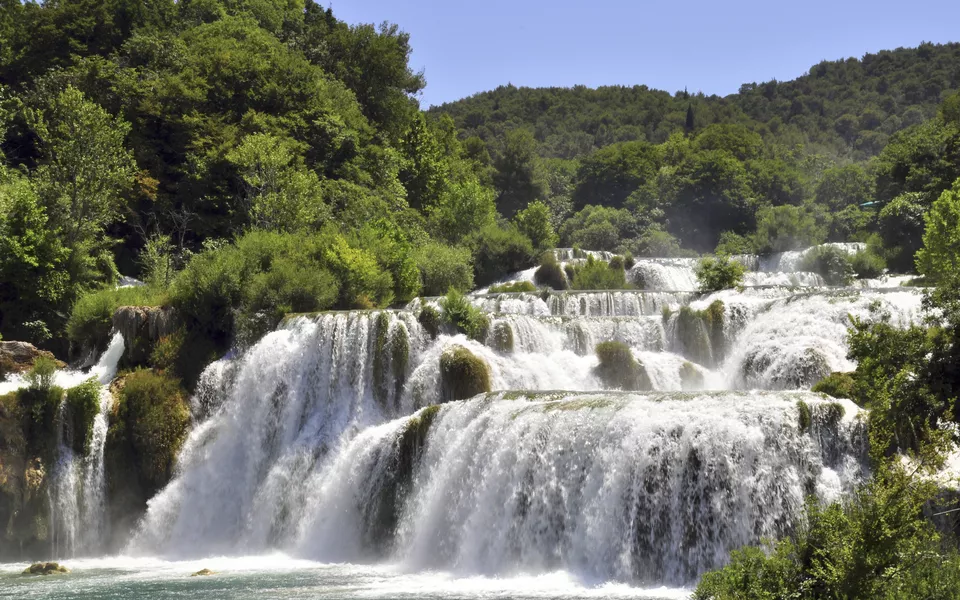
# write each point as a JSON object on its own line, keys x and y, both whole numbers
{"x": 78, "y": 486}
{"x": 327, "y": 440}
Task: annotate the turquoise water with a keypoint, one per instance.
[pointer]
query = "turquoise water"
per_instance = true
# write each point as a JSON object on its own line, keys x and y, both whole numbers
{"x": 275, "y": 577}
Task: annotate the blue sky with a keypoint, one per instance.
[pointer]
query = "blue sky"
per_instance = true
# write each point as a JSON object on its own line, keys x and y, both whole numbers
{"x": 468, "y": 46}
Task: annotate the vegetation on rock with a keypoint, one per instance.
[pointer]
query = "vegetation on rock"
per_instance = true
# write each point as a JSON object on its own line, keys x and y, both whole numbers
{"x": 719, "y": 273}
{"x": 618, "y": 369}
{"x": 463, "y": 375}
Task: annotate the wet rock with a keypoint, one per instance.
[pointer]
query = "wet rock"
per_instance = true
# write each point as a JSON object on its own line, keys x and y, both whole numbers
{"x": 203, "y": 573}
{"x": 18, "y": 357}
{"x": 141, "y": 328}
{"x": 47, "y": 568}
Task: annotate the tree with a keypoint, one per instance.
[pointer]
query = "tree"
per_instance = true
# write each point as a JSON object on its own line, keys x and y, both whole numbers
{"x": 841, "y": 187}
{"x": 85, "y": 169}
{"x": 782, "y": 228}
{"x": 611, "y": 174}
{"x": 281, "y": 193}
{"x": 463, "y": 209}
{"x": 519, "y": 178}
{"x": 534, "y": 222}
{"x": 941, "y": 238}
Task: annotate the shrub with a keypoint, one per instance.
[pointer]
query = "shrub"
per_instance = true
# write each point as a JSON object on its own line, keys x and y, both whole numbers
{"x": 599, "y": 275}
{"x": 153, "y": 414}
{"x": 837, "y": 385}
{"x": 91, "y": 317}
{"x": 867, "y": 264}
{"x": 534, "y": 222}
{"x": 628, "y": 261}
{"x": 167, "y": 350}
{"x": 719, "y": 273}
{"x": 734, "y": 243}
{"x": 462, "y": 374}
{"x": 83, "y": 404}
{"x": 464, "y": 316}
{"x": 513, "y": 288}
{"x": 499, "y": 252}
{"x": 832, "y": 263}
{"x": 619, "y": 369}
{"x": 550, "y": 274}
{"x": 429, "y": 319}
{"x": 941, "y": 238}
{"x": 781, "y": 228}
{"x": 40, "y": 401}
{"x": 443, "y": 268}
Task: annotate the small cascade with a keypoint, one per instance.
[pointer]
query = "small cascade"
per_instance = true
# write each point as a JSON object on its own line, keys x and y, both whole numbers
{"x": 664, "y": 274}
{"x": 78, "y": 486}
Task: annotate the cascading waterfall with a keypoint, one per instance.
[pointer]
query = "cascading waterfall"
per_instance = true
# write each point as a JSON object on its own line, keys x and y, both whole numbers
{"x": 324, "y": 440}
{"x": 78, "y": 487}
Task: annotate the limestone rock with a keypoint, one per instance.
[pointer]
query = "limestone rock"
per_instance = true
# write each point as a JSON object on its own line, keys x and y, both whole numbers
{"x": 142, "y": 327}
{"x": 203, "y": 573}
{"x": 18, "y": 357}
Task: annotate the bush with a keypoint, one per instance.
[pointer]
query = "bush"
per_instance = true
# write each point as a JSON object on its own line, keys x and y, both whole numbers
{"x": 534, "y": 222}
{"x": 619, "y": 369}
{"x": 875, "y": 545}
{"x": 513, "y": 288}
{"x": 599, "y": 275}
{"x": 430, "y": 320}
{"x": 832, "y": 263}
{"x": 941, "y": 238}
{"x": 167, "y": 350}
{"x": 153, "y": 414}
{"x": 719, "y": 273}
{"x": 499, "y": 252}
{"x": 91, "y": 317}
{"x": 550, "y": 274}
{"x": 83, "y": 405}
{"x": 464, "y": 316}
{"x": 867, "y": 264}
{"x": 734, "y": 243}
{"x": 462, "y": 374}
{"x": 443, "y": 268}
{"x": 837, "y": 385}
{"x": 781, "y": 228}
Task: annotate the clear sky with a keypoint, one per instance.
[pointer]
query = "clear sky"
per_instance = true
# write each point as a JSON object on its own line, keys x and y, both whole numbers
{"x": 469, "y": 46}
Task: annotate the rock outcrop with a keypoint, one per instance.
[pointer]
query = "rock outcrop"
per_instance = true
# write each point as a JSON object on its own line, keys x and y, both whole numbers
{"x": 46, "y": 568}
{"x": 18, "y": 357}
{"x": 142, "y": 327}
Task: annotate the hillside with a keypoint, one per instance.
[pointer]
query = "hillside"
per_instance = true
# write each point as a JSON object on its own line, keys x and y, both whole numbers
{"x": 845, "y": 108}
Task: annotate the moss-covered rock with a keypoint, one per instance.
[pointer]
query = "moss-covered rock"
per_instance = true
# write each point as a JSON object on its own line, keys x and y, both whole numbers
{"x": 691, "y": 378}
{"x": 81, "y": 406}
{"x": 203, "y": 573}
{"x": 429, "y": 319}
{"x": 700, "y": 333}
{"x": 618, "y": 369}
{"x": 20, "y": 357}
{"x": 804, "y": 416}
{"x": 501, "y": 337}
{"x": 142, "y": 327}
{"x": 462, "y": 374}
{"x": 550, "y": 274}
{"x": 46, "y": 568}
{"x": 515, "y": 287}
{"x": 836, "y": 385}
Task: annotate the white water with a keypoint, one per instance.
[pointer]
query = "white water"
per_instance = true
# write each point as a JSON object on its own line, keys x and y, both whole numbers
{"x": 78, "y": 486}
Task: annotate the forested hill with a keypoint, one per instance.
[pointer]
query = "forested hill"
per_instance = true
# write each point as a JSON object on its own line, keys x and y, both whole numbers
{"x": 845, "y": 109}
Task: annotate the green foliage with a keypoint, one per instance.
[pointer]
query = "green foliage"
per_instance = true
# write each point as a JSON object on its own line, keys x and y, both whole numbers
{"x": 610, "y": 175}
{"x": 867, "y": 264}
{"x": 876, "y": 545}
{"x": 430, "y": 320}
{"x": 40, "y": 376}
{"x": 167, "y": 351}
{"x": 151, "y": 414}
{"x": 534, "y": 222}
{"x": 513, "y": 288}
{"x": 443, "y": 268}
{"x": 733, "y": 243}
{"x": 941, "y": 238}
{"x": 83, "y": 404}
{"x": 550, "y": 274}
{"x": 463, "y": 375}
{"x": 464, "y": 316}
{"x": 901, "y": 227}
{"x": 598, "y": 275}
{"x": 804, "y": 416}
{"x": 619, "y": 369}
{"x": 499, "y": 252}
{"x": 501, "y": 338}
{"x": 719, "y": 273}
{"x": 832, "y": 263}
{"x": 91, "y": 319}
{"x": 520, "y": 178}
{"x": 837, "y": 385}
{"x": 781, "y": 228}
{"x": 598, "y": 228}
{"x": 466, "y": 207}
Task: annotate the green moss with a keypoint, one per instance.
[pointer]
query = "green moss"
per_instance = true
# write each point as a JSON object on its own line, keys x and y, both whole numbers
{"x": 831, "y": 413}
{"x": 464, "y": 316}
{"x": 381, "y": 331}
{"x": 399, "y": 360}
{"x": 83, "y": 404}
{"x": 700, "y": 333}
{"x": 551, "y": 275}
{"x": 836, "y": 385}
{"x": 462, "y": 374}
{"x": 501, "y": 338}
{"x": 619, "y": 369}
{"x": 690, "y": 377}
{"x": 804, "y": 417}
{"x": 429, "y": 319}
{"x": 513, "y": 288}
{"x": 151, "y": 416}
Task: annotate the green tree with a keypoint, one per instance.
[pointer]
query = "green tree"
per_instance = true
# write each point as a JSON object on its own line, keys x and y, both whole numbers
{"x": 841, "y": 187}
{"x": 611, "y": 174}
{"x": 464, "y": 208}
{"x": 941, "y": 238}
{"x": 781, "y": 228}
{"x": 85, "y": 170}
{"x": 534, "y": 222}
{"x": 519, "y": 177}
